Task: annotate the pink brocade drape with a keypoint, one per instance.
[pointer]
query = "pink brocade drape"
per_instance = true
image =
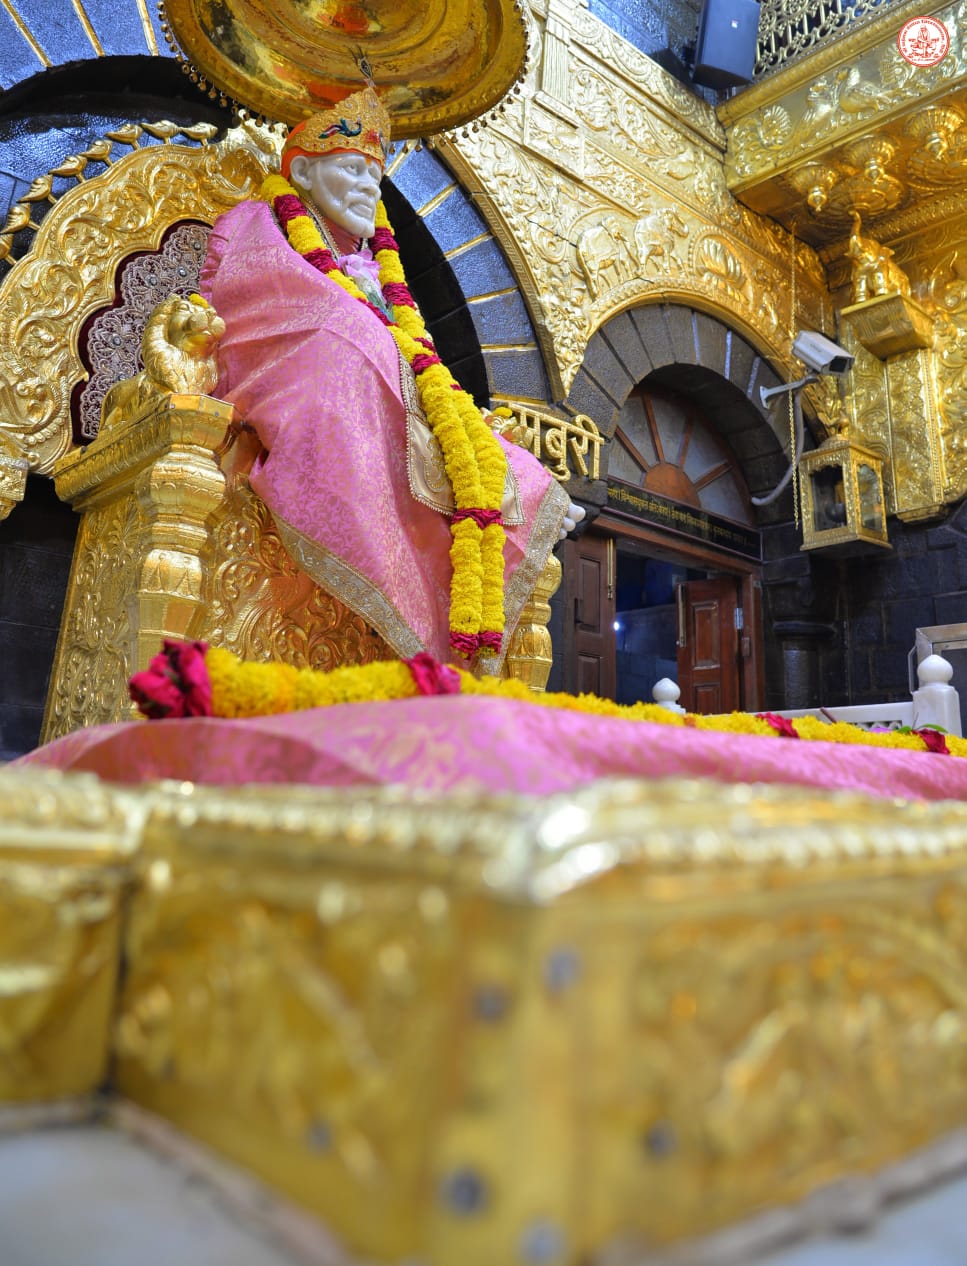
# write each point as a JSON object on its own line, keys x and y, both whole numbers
{"x": 318, "y": 377}
{"x": 452, "y": 742}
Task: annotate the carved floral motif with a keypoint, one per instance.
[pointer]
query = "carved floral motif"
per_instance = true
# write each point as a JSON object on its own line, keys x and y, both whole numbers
{"x": 606, "y": 214}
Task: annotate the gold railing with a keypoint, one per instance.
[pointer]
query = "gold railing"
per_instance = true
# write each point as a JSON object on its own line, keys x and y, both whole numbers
{"x": 790, "y": 28}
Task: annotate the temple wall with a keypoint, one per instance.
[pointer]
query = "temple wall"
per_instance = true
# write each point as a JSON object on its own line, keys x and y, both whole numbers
{"x": 849, "y": 626}
{"x": 604, "y": 180}
{"x": 35, "y": 557}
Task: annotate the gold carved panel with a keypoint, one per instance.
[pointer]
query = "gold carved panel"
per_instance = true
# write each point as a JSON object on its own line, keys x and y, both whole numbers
{"x": 93, "y": 660}
{"x": 945, "y": 274}
{"x": 611, "y": 192}
{"x": 477, "y": 1011}
{"x": 918, "y": 466}
{"x": 68, "y": 272}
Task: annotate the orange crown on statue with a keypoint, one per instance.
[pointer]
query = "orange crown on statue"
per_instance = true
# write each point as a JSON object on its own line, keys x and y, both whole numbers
{"x": 359, "y": 122}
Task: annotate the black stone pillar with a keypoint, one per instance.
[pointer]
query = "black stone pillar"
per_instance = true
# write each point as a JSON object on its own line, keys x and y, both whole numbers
{"x": 800, "y": 643}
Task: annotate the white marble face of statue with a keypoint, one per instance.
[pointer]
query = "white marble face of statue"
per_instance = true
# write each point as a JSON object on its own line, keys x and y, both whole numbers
{"x": 344, "y": 186}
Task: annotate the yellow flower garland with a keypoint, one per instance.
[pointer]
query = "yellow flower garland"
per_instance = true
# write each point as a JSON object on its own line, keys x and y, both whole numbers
{"x": 474, "y": 460}
{"x": 242, "y": 689}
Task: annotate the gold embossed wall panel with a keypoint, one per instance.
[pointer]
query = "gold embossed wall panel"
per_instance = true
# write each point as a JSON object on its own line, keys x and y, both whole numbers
{"x": 941, "y": 282}
{"x": 918, "y": 467}
{"x": 867, "y": 407}
{"x": 607, "y": 186}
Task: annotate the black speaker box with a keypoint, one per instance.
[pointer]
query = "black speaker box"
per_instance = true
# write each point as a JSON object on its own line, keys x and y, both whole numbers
{"x": 725, "y": 49}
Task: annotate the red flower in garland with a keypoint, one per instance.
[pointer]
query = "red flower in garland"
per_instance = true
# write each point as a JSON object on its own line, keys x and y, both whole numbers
{"x": 175, "y": 683}
{"x": 432, "y": 677}
{"x": 782, "y": 725}
{"x": 934, "y": 740}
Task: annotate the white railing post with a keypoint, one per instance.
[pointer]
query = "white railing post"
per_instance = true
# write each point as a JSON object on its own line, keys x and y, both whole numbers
{"x": 936, "y": 702}
{"x": 666, "y": 694}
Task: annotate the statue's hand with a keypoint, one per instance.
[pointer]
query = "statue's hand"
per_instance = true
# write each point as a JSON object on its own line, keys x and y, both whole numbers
{"x": 572, "y": 517}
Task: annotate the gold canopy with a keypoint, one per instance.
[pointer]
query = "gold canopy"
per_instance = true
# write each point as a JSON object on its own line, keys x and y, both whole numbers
{"x": 437, "y": 63}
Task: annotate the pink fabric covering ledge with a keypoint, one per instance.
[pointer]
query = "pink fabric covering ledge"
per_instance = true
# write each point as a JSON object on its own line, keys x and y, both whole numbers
{"x": 442, "y": 743}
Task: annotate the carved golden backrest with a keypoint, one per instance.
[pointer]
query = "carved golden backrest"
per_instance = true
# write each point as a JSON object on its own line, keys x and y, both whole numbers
{"x": 172, "y": 541}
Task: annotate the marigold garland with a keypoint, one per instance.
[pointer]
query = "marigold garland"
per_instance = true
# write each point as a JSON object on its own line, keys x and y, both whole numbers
{"x": 473, "y": 458}
{"x": 243, "y": 689}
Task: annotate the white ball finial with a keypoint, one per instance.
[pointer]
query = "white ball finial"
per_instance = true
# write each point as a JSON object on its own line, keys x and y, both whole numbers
{"x": 666, "y": 694}
{"x": 934, "y": 669}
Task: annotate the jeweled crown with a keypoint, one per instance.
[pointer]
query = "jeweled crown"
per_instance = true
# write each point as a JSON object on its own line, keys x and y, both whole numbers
{"x": 359, "y": 122}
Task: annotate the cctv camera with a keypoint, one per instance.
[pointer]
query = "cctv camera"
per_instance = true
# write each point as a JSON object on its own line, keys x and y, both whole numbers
{"x": 820, "y": 354}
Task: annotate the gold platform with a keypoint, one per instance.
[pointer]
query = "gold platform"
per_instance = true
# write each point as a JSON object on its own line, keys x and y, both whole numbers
{"x": 567, "y": 1026}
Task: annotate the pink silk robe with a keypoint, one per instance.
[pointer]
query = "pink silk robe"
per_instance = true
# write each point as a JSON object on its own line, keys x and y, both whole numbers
{"x": 321, "y": 381}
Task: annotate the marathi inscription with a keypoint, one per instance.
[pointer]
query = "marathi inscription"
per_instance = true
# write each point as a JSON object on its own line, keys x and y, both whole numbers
{"x": 650, "y": 508}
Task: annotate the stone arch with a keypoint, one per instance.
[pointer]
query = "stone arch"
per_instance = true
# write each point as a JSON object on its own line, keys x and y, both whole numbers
{"x": 699, "y": 356}
{"x": 468, "y": 293}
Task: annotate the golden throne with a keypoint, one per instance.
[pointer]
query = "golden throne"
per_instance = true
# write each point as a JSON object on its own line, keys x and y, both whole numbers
{"x": 172, "y": 541}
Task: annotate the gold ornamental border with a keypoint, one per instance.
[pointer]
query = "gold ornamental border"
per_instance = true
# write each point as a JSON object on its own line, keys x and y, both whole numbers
{"x": 530, "y": 848}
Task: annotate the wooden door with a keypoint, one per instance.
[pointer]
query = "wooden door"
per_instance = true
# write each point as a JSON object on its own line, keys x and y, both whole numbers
{"x": 589, "y": 641}
{"x": 708, "y": 645}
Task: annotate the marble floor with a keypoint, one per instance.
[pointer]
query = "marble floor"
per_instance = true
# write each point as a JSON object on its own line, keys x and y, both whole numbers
{"x": 929, "y": 1230}
{"x": 92, "y": 1195}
